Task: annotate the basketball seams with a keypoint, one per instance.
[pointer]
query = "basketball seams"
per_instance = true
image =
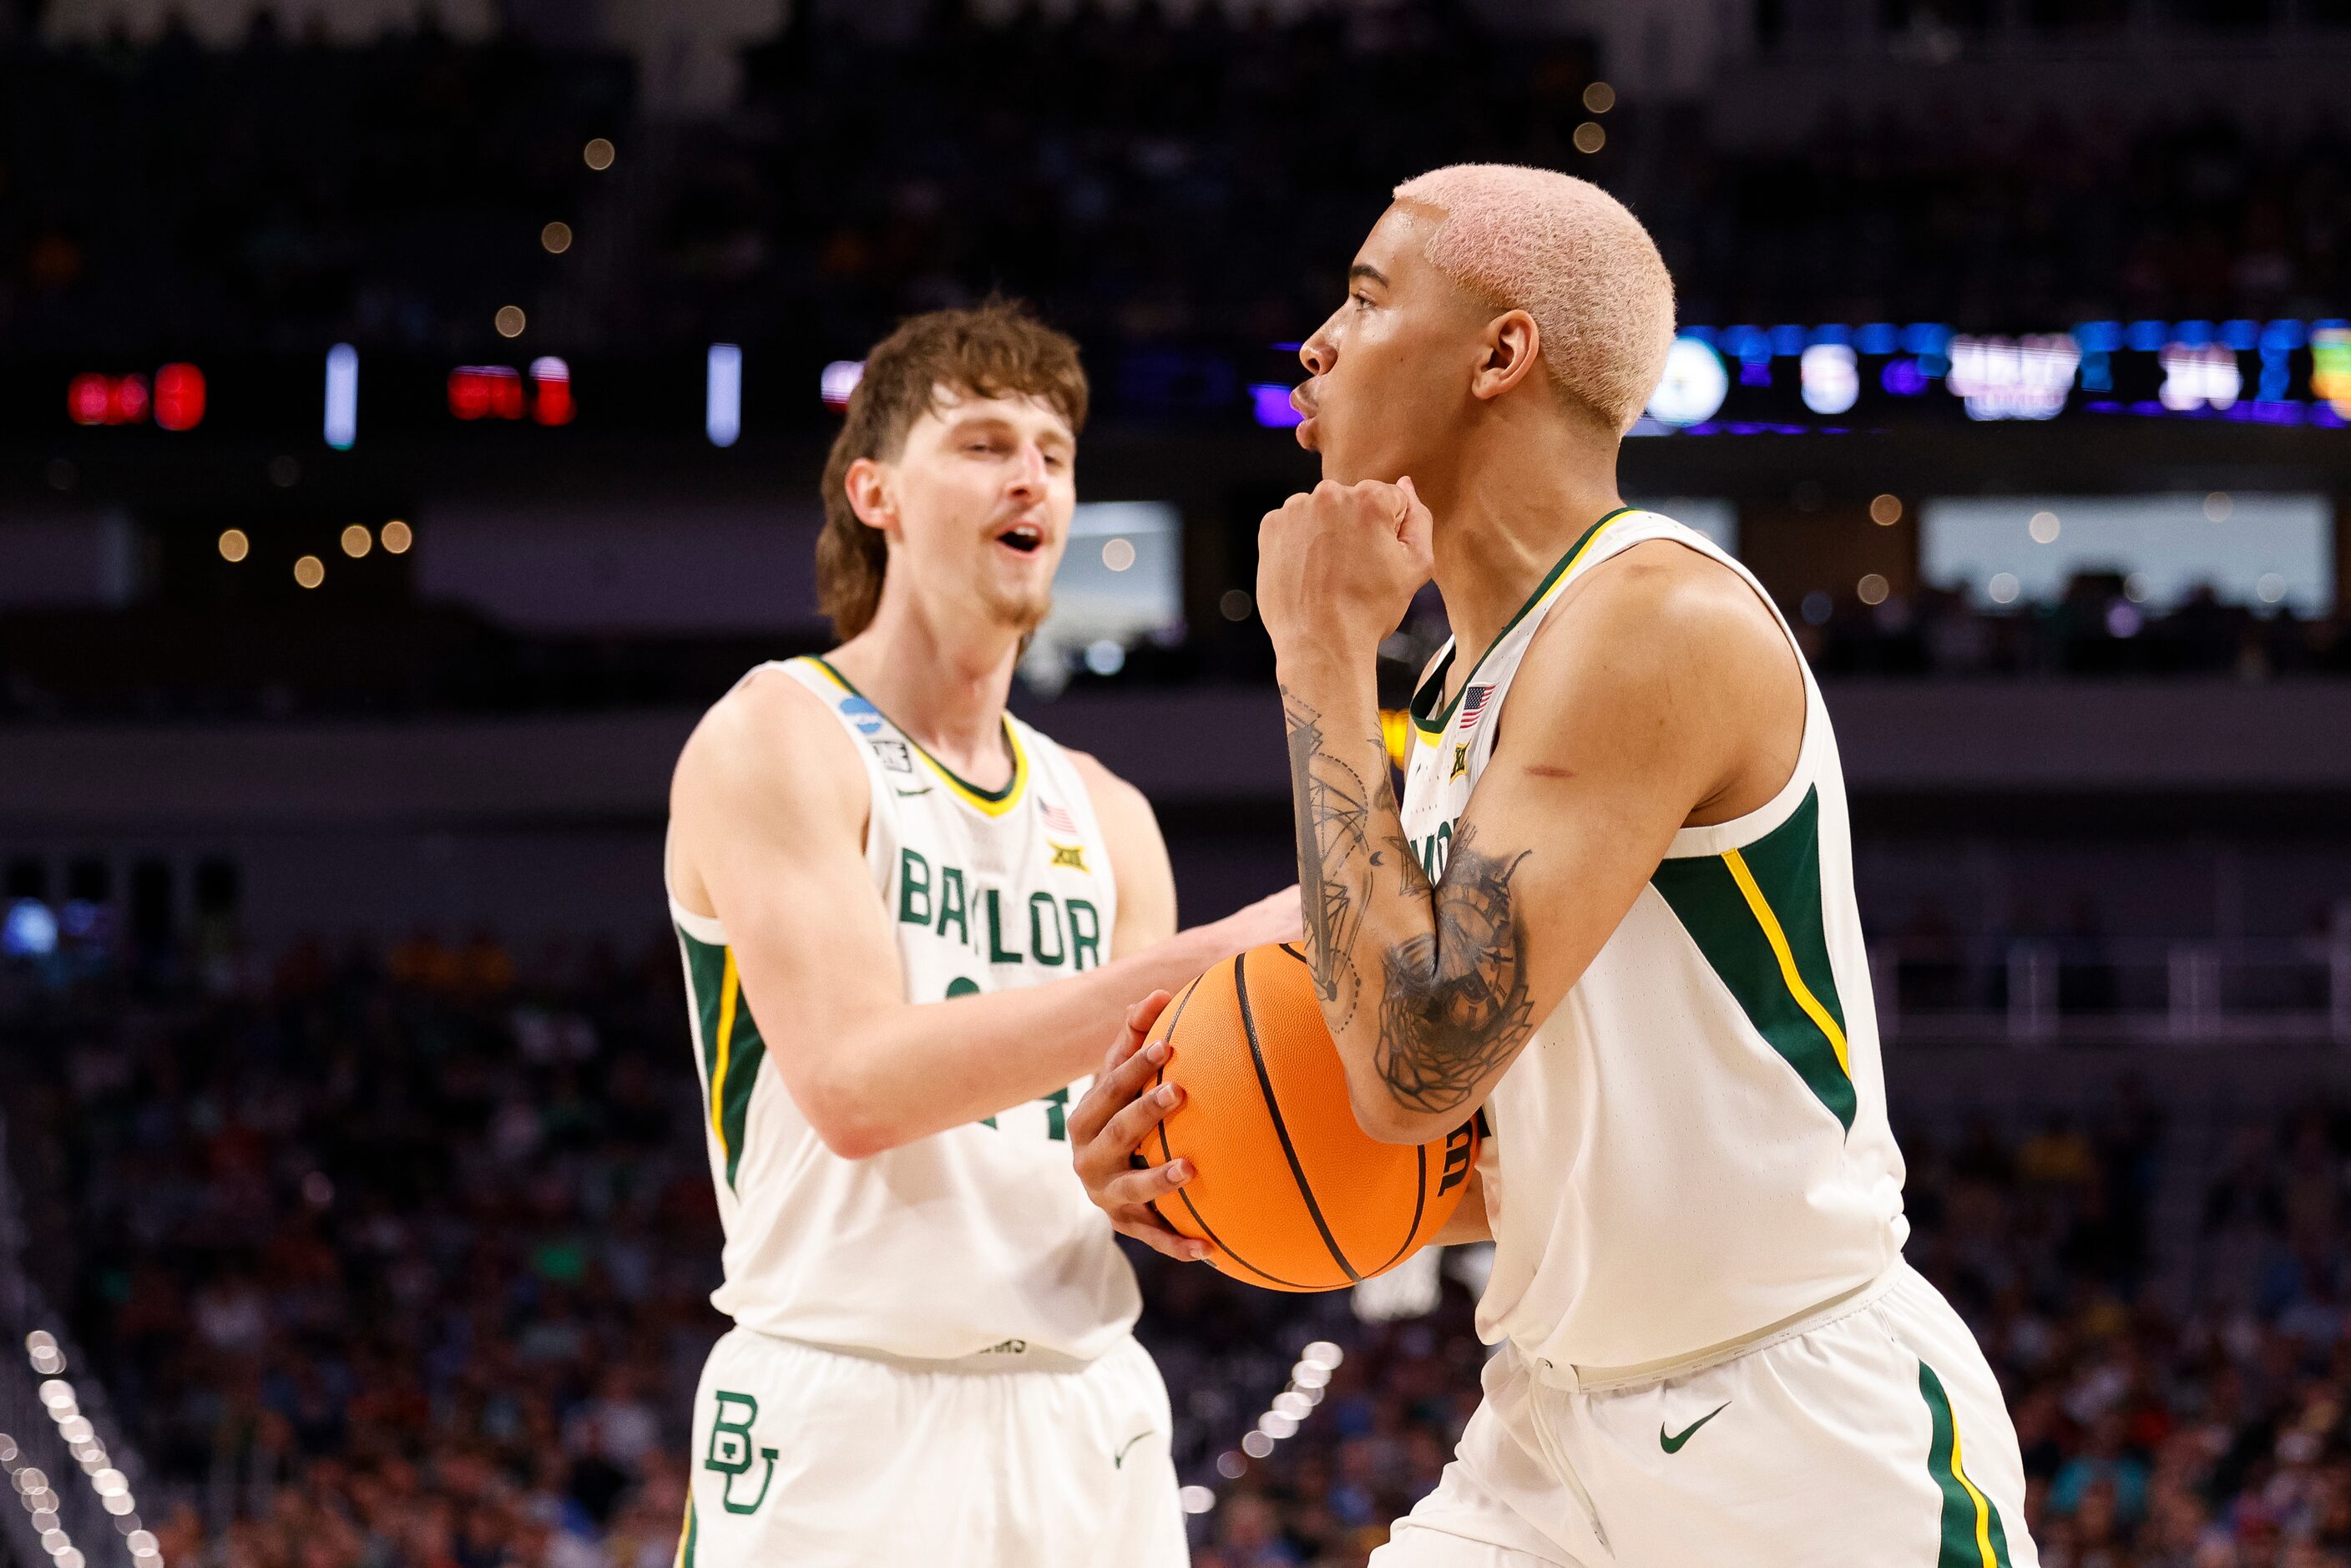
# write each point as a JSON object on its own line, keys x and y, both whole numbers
{"x": 1419, "y": 1208}
{"x": 1420, "y": 1185}
{"x": 1166, "y": 1154}
{"x": 1280, "y": 1125}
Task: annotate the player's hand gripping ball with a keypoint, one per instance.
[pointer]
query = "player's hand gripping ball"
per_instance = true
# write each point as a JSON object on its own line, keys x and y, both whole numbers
{"x": 1290, "y": 1193}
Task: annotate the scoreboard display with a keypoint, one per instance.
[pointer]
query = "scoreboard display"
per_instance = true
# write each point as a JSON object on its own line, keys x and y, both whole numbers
{"x": 1840, "y": 378}
{"x": 346, "y": 398}
{"x": 1831, "y": 379}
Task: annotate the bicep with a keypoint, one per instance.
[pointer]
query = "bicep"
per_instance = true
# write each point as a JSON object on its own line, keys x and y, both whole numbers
{"x": 1548, "y": 864}
{"x": 1634, "y": 713}
{"x": 779, "y": 858}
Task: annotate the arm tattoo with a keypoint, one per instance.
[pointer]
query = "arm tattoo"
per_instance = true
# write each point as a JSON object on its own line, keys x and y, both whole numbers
{"x": 1334, "y": 856}
{"x": 1456, "y": 1003}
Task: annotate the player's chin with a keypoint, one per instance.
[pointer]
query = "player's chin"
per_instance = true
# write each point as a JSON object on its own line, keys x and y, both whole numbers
{"x": 1021, "y": 606}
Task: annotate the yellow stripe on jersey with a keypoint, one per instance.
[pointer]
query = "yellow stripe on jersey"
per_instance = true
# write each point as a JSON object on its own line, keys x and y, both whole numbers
{"x": 1582, "y": 550}
{"x": 730, "y": 986}
{"x": 1778, "y": 939}
{"x": 994, "y": 803}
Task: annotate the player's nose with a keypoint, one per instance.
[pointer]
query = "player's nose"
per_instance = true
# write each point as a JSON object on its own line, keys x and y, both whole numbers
{"x": 1029, "y": 475}
{"x": 1318, "y": 353}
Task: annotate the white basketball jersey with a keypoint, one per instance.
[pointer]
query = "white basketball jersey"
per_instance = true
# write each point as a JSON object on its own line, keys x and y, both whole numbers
{"x": 1694, "y": 1146}
{"x": 975, "y": 1239}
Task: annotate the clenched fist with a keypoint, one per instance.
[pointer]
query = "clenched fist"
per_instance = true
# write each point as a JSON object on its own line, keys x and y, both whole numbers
{"x": 1338, "y": 566}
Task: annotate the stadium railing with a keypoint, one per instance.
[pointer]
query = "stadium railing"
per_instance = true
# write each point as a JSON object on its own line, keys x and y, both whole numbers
{"x": 73, "y": 1478}
{"x": 2042, "y": 991}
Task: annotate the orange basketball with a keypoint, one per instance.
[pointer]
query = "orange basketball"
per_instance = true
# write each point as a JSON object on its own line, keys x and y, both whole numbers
{"x": 1289, "y": 1190}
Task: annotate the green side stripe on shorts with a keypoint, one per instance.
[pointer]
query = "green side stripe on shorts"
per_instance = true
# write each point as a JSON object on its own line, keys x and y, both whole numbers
{"x": 1755, "y": 915}
{"x": 1972, "y": 1535}
{"x": 685, "y": 1535}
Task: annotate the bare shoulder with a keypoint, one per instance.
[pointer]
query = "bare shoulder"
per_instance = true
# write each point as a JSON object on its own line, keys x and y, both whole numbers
{"x": 769, "y": 739}
{"x": 1664, "y": 665}
{"x": 1662, "y": 611}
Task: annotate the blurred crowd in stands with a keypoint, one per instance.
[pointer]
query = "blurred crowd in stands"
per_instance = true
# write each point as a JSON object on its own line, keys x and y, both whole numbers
{"x": 382, "y": 1263}
{"x": 1147, "y": 178}
{"x": 403, "y": 1260}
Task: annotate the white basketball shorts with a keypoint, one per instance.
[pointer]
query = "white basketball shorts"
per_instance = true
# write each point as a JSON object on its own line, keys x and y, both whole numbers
{"x": 824, "y": 1460}
{"x": 1871, "y": 1436}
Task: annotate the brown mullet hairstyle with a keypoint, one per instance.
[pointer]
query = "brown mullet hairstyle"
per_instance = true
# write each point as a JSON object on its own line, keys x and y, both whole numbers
{"x": 995, "y": 349}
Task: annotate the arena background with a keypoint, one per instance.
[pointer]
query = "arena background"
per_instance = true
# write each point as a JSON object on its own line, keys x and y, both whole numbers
{"x": 410, "y": 418}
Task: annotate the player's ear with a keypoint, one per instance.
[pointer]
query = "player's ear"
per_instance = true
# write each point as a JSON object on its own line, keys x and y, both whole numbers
{"x": 871, "y": 494}
{"x": 1511, "y": 347}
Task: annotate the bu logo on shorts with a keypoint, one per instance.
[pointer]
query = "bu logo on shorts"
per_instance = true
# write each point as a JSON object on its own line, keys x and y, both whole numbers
{"x": 730, "y": 1450}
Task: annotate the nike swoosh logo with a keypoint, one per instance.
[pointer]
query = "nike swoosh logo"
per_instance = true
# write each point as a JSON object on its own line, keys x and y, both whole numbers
{"x": 924, "y": 790}
{"x": 1118, "y": 1461}
{"x": 1673, "y": 1445}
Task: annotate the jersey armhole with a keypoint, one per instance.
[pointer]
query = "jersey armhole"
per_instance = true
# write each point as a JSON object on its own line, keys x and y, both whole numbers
{"x": 1738, "y": 832}
{"x": 1735, "y": 832}
{"x": 688, "y": 920}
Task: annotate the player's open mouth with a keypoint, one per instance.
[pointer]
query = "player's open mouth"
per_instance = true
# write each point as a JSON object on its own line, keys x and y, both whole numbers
{"x": 1026, "y": 538}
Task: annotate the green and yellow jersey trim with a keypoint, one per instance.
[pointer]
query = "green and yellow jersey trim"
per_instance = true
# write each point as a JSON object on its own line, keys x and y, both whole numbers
{"x": 1790, "y": 975}
{"x": 1427, "y": 721}
{"x": 993, "y": 802}
{"x": 730, "y": 992}
{"x": 1755, "y": 916}
{"x": 732, "y": 1048}
{"x": 1973, "y": 1534}
{"x": 685, "y": 1535}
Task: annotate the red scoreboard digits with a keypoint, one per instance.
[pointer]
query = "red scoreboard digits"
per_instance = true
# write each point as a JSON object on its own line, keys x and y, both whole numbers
{"x": 177, "y": 402}
{"x": 497, "y": 392}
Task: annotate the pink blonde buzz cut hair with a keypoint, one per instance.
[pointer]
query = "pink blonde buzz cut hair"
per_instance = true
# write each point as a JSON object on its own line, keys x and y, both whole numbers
{"x": 1569, "y": 255}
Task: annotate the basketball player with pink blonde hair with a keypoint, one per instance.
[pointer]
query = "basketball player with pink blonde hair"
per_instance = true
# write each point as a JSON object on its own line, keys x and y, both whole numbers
{"x": 1614, "y": 911}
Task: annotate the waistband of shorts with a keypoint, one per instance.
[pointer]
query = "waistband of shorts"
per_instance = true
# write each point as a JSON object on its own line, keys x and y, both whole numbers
{"x": 1614, "y": 1379}
{"x": 1012, "y": 1356}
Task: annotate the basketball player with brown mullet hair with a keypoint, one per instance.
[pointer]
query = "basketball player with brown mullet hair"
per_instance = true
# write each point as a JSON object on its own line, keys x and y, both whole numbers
{"x": 1613, "y": 911}
{"x": 908, "y": 920}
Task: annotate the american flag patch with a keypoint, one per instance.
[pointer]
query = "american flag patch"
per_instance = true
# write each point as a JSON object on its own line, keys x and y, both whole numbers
{"x": 1058, "y": 820}
{"x": 1473, "y": 703}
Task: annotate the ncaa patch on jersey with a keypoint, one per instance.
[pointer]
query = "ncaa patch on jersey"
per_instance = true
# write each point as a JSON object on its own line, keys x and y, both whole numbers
{"x": 861, "y": 714}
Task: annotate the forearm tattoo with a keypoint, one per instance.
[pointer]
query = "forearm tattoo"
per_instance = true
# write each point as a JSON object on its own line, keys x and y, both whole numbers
{"x": 1455, "y": 1005}
{"x": 1334, "y": 857}
{"x": 1454, "y": 1002}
